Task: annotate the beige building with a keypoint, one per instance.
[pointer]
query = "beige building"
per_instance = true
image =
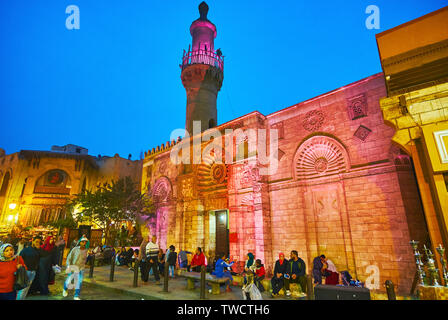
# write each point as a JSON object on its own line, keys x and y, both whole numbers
{"x": 35, "y": 185}
{"x": 414, "y": 58}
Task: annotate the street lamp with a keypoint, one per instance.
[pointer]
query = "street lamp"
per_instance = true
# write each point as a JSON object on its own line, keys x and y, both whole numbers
{"x": 11, "y": 216}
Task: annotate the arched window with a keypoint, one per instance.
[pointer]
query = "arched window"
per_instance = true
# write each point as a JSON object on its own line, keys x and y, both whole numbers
{"x": 23, "y": 187}
{"x": 5, "y": 184}
{"x": 53, "y": 181}
{"x": 83, "y": 188}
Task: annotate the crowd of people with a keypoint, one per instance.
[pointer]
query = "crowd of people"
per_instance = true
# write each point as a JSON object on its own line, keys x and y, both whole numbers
{"x": 43, "y": 258}
{"x": 153, "y": 261}
{"x": 40, "y": 258}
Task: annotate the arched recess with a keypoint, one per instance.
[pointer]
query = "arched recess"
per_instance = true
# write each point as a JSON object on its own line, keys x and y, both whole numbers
{"x": 53, "y": 181}
{"x": 323, "y": 156}
{"x": 161, "y": 194}
{"x": 83, "y": 185}
{"x": 5, "y": 183}
{"x": 211, "y": 173}
{"x": 162, "y": 190}
{"x": 320, "y": 156}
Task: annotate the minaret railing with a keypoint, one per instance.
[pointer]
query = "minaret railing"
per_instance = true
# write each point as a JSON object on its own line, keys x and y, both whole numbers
{"x": 202, "y": 56}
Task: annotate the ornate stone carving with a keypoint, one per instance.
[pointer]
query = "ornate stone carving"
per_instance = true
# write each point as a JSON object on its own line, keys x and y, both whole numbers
{"x": 187, "y": 188}
{"x": 162, "y": 167}
{"x": 357, "y": 107}
{"x": 362, "y": 132}
{"x": 162, "y": 190}
{"x": 321, "y": 164}
{"x": 313, "y": 120}
{"x": 219, "y": 172}
{"x": 211, "y": 175}
{"x": 320, "y": 156}
{"x": 251, "y": 174}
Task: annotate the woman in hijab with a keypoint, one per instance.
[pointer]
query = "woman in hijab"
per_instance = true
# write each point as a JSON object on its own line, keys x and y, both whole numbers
{"x": 8, "y": 266}
{"x": 249, "y": 266}
{"x": 279, "y": 271}
{"x": 47, "y": 260}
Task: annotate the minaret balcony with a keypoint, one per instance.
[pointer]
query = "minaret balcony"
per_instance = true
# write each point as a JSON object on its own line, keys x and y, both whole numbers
{"x": 203, "y": 57}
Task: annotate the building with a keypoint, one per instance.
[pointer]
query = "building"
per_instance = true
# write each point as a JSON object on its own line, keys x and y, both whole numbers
{"x": 414, "y": 58}
{"x": 342, "y": 187}
{"x": 35, "y": 185}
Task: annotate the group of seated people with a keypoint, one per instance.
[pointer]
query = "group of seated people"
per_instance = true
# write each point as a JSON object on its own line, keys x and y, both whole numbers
{"x": 105, "y": 253}
{"x": 293, "y": 271}
{"x": 285, "y": 271}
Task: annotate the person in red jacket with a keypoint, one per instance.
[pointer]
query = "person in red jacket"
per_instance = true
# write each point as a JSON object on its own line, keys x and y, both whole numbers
{"x": 259, "y": 274}
{"x": 8, "y": 266}
{"x": 197, "y": 261}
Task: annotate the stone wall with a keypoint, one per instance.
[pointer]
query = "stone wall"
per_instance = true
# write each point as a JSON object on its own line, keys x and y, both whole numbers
{"x": 341, "y": 189}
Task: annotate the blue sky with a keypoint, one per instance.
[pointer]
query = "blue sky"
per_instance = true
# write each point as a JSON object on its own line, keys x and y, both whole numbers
{"x": 113, "y": 86}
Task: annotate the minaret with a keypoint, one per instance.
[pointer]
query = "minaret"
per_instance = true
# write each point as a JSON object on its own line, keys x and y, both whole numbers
{"x": 202, "y": 73}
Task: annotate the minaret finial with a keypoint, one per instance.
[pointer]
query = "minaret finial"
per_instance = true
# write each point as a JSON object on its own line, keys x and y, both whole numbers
{"x": 203, "y": 10}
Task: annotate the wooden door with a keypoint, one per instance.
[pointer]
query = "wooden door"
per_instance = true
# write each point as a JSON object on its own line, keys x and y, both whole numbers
{"x": 222, "y": 233}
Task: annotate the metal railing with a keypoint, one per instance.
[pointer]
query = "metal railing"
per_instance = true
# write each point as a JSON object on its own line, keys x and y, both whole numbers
{"x": 202, "y": 57}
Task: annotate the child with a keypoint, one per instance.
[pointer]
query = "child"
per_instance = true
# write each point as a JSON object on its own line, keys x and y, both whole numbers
{"x": 133, "y": 259}
{"x": 172, "y": 257}
{"x": 259, "y": 274}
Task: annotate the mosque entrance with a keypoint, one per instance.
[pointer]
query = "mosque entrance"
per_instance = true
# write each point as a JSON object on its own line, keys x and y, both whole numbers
{"x": 222, "y": 232}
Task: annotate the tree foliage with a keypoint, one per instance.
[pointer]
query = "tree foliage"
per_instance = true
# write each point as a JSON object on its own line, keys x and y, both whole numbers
{"x": 111, "y": 203}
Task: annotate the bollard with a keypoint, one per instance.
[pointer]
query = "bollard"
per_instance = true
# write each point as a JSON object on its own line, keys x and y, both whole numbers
{"x": 112, "y": 269}
{"x": 135, "y": 284}
{"x": 92, "y": 265}
{"x": 390, "y": 290}
{"x": 309, "y": 289}
{"x": 414, "y": 283}
{"x": 202, "y": 294}
{"x": 165, "y": 278}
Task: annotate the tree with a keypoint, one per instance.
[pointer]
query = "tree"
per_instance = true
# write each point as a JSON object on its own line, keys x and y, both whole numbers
{"x": 110, "y": 204}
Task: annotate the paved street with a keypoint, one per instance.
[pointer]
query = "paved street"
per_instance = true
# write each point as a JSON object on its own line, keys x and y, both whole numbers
{"x": 89, "y": 292}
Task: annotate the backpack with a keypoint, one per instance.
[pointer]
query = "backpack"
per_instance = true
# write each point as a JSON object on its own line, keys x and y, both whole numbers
{"x": 22, "y": 281}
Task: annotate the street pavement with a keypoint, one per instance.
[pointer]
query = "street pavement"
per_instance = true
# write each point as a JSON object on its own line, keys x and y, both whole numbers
{"x": 88, "y": 292}
{"x": 177, "y": 287}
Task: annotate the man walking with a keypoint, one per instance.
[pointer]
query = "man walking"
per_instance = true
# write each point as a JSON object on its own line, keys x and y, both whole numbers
{"x": 152, "y": 255}
{"x": 76, "y": 262}
{"x": 31, "y": 256}
{"x": 144, "y": 271}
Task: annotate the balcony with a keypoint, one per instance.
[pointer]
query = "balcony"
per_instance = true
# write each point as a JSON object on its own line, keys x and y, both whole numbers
{"x": 202, "y": 57}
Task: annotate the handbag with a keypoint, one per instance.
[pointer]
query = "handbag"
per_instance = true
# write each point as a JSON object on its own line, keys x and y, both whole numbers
{"x": 22, "y": 281}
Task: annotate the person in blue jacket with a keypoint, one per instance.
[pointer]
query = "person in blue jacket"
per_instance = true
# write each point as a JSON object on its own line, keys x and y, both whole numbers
{"x": 221, "y": 272}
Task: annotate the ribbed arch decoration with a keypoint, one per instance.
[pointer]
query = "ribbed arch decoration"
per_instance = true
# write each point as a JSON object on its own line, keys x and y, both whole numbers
{"x": 211, "y": 175}
{"x": 320, "y": 156}
{"x": 162, "y": 190}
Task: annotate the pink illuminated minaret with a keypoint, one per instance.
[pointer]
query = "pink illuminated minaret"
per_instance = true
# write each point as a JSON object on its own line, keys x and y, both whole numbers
{"x": 202, "y": 73}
